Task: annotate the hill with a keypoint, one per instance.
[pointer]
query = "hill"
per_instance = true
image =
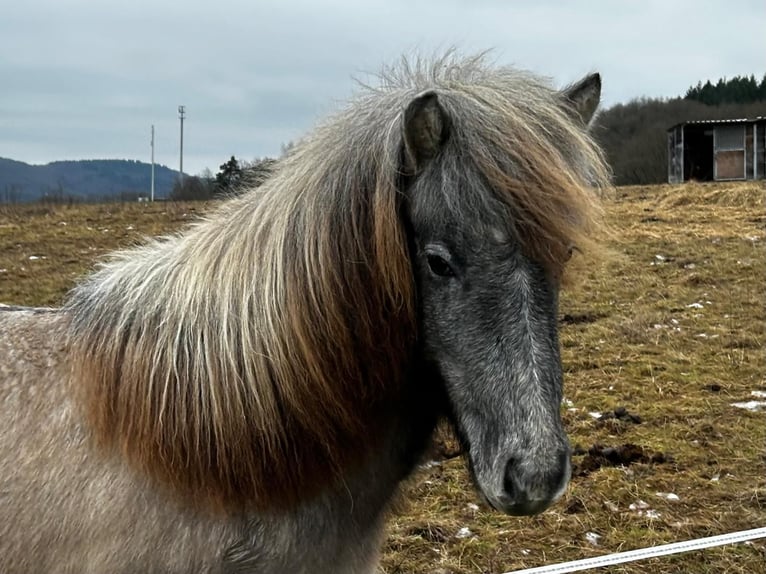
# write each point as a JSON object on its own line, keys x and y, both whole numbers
{"x": 87, "y": 180}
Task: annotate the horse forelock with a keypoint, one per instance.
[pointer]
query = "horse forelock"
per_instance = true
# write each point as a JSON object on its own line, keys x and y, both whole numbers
{"x": 247, "y": 360}
{"x": 518, "y": 139}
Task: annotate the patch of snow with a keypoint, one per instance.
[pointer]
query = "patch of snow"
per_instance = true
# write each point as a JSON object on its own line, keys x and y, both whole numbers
{"x": 595, "y": 415}
{"x": 472, "y": 506}
{"x": 33, "y": 258}
{"x": 525, "y": 551}
{"x": 760, "y": 394}
{"x": 464, "y": 532}
{"x": 660, "y": 258}
{"x": 592, "y": 537}
{"x": 642, "y": 509}
{"x": 695, "y": 306}
{"x": 751, "y": 405}
{"x": 667, "y": 495}
{"x": 638, "y": 505}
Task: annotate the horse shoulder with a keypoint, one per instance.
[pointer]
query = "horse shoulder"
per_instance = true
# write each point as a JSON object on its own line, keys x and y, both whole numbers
{"x": 65, "y": 506}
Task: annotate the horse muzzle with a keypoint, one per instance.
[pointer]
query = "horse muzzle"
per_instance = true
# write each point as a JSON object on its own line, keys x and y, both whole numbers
{"x": 524, "y": 487}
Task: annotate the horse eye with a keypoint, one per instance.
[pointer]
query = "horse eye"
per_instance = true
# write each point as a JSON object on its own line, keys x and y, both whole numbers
{"x": 439, "y": 266}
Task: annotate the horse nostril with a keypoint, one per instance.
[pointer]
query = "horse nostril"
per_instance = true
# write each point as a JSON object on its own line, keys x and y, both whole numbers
{"x": 509, "y": 482}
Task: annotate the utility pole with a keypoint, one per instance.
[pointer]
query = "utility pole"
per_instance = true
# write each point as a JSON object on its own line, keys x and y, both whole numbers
{"x": 152, "y": 194}
{"x": 181, "y": 116}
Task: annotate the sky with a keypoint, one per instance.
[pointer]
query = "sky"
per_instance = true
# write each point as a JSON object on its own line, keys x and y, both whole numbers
{"x": 86, "y": 79}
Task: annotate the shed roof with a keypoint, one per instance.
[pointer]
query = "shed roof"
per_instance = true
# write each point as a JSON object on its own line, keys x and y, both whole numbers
{"x": 717, "y": 122}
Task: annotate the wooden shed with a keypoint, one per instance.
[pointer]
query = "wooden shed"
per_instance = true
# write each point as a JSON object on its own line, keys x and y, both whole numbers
{"x": 717, "y": 150}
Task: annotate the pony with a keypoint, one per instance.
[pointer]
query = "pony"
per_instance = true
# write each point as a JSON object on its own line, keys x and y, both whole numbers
{"x": 248, "y": 395}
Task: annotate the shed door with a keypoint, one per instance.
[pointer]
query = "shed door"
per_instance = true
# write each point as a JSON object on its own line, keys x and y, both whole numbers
{"x": 729, "y": 148}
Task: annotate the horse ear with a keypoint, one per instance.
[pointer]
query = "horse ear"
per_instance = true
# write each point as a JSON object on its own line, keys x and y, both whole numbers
{"x": 584, "y": 96}
{"x": 425, "y": 129}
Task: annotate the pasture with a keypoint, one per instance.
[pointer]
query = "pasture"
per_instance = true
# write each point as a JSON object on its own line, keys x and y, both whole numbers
{"x": 660, "y": 338}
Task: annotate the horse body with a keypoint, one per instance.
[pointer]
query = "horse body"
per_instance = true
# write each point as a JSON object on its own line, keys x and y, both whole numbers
{"x": 68, "y": 510}
{"x": 248, "y": 395}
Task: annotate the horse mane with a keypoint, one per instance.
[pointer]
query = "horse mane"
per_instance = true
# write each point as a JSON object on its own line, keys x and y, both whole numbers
{"x": 246, "y": 361}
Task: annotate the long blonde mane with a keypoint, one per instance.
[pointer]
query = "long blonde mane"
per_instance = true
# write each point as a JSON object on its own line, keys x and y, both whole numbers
{"x": 247, "y": 360}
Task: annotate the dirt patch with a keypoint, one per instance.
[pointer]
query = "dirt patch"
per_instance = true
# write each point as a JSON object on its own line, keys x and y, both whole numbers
{"x": 599, "y": 456}
{"x": 579, "y": 318}
{"x": 620, "y": 414}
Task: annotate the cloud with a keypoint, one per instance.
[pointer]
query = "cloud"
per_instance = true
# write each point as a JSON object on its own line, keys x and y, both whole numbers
{"x": 85, "y": 80}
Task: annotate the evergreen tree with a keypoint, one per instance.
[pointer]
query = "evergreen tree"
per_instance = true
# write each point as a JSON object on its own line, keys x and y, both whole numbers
{"x": 228, "y": 177}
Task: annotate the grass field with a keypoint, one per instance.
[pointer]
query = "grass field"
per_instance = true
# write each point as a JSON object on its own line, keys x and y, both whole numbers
{"x": 659, "y": 339}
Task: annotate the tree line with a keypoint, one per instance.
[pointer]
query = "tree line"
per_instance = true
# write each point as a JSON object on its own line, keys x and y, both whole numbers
{"x": 737, "y": 90}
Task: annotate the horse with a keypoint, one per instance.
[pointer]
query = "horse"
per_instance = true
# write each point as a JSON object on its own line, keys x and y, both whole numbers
{"x": 248, "y": 395}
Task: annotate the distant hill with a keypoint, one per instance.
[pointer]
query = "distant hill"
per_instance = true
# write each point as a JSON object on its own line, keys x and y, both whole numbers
{"x": 87, "y": 180}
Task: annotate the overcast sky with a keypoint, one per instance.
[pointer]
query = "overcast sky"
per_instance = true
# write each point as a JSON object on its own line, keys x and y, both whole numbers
{"x": 85, "y": 79}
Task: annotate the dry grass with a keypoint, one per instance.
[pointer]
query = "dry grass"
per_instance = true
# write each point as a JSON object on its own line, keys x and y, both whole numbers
{"x": 670, "y": 327}
{"x": 45, "y": 249}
